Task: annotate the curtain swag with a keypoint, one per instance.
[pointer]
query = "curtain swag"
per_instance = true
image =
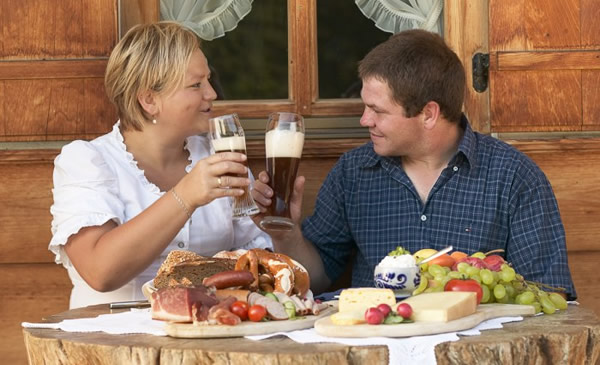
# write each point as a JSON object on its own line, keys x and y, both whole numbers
{"x": 397, "y": 15}
{"x": 209, "y": 19}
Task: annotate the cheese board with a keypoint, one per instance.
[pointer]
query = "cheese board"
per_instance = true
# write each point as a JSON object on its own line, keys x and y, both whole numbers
{"x": 326, "y": 327}
{"x": 246, "y": 328}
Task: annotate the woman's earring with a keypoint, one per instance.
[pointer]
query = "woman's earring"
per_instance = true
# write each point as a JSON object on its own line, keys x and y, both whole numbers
{"x": 153, "y": 121}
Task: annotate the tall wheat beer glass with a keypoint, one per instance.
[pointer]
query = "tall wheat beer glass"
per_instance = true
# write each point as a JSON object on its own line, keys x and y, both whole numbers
{"x": 226, "y": 134}
{"x": 284, "y": 140}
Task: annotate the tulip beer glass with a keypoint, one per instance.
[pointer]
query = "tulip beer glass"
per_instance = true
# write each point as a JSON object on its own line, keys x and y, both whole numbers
{"x": 226, "y": 134}
{"x": 284, "y": 140}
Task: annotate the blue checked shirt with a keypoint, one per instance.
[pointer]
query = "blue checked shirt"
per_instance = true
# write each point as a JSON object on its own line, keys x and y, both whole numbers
{"x": 491, "y": 196}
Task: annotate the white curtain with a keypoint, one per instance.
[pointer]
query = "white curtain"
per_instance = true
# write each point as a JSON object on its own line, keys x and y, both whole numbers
{"x": 209, "y": 19}
{"x": 397, "y": 15}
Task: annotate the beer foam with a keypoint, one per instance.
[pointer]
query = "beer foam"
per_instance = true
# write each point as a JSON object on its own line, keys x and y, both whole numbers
{"x": 229, "y": 143}
{"x": 284, "y": 143}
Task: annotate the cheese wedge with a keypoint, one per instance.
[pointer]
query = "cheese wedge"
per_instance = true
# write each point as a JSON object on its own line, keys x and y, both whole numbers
{"x": 442, "y": 306}
{"x": 360, "y": 299}
{"x": 348, "y": 318}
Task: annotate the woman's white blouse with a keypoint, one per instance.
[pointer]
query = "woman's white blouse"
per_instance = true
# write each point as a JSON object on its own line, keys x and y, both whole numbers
{"x": 99, "y": 180}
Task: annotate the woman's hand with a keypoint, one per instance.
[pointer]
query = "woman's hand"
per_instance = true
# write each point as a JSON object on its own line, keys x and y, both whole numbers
{"x": 219, "y": 175}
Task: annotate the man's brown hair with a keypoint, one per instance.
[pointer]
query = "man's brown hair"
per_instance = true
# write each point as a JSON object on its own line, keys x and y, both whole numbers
{"x": 418, "y": 67}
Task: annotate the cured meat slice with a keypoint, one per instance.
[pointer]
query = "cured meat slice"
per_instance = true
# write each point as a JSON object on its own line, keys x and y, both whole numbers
{"x": 176, "y": 304}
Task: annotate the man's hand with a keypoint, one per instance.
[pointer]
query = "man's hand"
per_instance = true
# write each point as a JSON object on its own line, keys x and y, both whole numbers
{"x": 262, "y": 195}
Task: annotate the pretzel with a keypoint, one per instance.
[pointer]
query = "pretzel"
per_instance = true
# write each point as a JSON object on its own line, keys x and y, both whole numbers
{"x": 289, "y": 276}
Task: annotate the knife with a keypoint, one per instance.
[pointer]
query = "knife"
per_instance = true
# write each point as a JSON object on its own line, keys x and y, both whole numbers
{"x": 130, "y": 304}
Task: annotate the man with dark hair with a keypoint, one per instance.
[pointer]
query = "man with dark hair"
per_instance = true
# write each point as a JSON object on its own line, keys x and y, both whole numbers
{"x": 425, "y": 180}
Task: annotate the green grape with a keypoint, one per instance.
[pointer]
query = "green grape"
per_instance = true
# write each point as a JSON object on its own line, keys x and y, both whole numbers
{"x": 476, "y": 278}
{"x": 422, "y": 286}
{"x": 504, "y": 266}
{"x": 462, "y": 267}
{"x": 527, "y": 297}
{"x": 479, "y": 255}
{"x": 439, "y": 278}
{"x": 446, "y": 269}
{"x": 519, "y": 299}
{"x": 507, "y": 274}
{"x": 486, "y": 294}
{"x": 510, "y": 291}
{"x": 537, "y": 306}
{"x": 486, "y": 276}
{"x": 427, "y": 275}
{"x": 424, "y": 267}
{"x": 547, "y": 306}
{"x": 518, "y": 285}
{"x": 436, "y": 269}
{"x": 472, "y": 270}
{"x": 503, "y": 300}
{"x": 499, "y": 291}
{"x": 456, "y": 275}
{"x": 558, "y": 301}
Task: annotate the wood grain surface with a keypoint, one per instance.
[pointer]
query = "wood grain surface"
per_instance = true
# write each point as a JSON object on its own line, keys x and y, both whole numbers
{"x": 326, "y": 327}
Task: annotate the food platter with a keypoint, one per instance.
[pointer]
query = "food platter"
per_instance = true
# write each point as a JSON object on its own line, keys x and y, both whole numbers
{"x": 326, "y": 327}
{"x": 246, "y": 328}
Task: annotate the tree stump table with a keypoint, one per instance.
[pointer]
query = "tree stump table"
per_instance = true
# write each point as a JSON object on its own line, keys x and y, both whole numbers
{"x": 570, "y": 337}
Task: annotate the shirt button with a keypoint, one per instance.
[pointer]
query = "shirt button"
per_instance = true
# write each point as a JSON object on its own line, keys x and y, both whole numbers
{"x": 423, "y": 217}
{"x": 455, "y": 168}
{"x": 181, "y": 244}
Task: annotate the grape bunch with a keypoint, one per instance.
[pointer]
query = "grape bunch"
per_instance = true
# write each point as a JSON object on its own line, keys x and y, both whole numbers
{"x": 499, "y": 283}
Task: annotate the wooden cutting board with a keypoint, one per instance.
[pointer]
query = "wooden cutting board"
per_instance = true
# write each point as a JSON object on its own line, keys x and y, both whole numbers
{"x": 325, "y": 327}
{"x": 246, "y": 328}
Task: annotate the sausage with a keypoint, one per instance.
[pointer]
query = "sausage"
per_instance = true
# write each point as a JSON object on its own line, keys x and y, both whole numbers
{"x": 228, "y": 279}
{"x": 275, "y": 310}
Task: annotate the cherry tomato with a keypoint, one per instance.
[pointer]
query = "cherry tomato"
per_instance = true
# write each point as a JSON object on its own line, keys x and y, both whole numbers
{"x": 240, "y": 309}
{"x": 465, "y": 285}
{"x": 384, "y": 308}
{"x": 404, "y": 310}
{"x": 374, "y": 316}
{"x": 257, "y": 312}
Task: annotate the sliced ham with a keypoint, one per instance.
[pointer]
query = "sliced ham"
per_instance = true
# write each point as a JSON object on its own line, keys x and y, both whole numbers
{"x": 176, "y": 304}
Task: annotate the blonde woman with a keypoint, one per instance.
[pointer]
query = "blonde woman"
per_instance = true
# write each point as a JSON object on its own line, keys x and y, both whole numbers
{"x": 123, "y": 201}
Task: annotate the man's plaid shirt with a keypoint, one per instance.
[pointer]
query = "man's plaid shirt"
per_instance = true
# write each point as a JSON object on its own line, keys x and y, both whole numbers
{"x": 490, "y": 196}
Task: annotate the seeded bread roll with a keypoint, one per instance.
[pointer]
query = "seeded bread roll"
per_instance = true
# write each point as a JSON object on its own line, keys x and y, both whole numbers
{"x": 189, "y": 269}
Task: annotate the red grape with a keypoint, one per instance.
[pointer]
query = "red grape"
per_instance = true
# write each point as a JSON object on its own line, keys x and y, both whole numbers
{"x": 404, "y": 310}
{"x": 374, "y": 316}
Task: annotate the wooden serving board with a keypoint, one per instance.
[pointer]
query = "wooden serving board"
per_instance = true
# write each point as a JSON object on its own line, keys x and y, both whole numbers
{"x": 326, "y": 327}
{"x": 246, "y": 328}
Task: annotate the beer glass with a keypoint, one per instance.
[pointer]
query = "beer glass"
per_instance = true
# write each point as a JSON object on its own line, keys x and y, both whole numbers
{"x": 226, "y": 134}
{"x": 284, "y": 140}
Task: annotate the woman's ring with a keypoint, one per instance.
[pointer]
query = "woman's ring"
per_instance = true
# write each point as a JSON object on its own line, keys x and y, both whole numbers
{"x": 219, "y": 181}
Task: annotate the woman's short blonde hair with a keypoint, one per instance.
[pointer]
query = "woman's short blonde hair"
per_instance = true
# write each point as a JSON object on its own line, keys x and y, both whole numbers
{"x": 150, "y": 57}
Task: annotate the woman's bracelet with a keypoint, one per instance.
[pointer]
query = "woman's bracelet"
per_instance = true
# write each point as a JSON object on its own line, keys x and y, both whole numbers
{"x": 183, "y": 205}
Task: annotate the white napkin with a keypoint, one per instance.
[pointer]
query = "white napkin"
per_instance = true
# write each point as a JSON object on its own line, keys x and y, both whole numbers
{"x": 133, "y": 321}
{"x": 409, "y": 350}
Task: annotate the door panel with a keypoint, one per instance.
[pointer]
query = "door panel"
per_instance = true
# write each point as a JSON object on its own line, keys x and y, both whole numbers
{"x": 544, "y": 64}
{"x": 536, "y": 100}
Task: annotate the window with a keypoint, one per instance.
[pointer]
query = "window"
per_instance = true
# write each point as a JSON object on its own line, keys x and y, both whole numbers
{"x": 299, "y": 56}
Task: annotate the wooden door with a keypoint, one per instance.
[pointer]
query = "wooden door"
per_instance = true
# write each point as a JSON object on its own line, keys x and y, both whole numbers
{"x": 544, "y": 63}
